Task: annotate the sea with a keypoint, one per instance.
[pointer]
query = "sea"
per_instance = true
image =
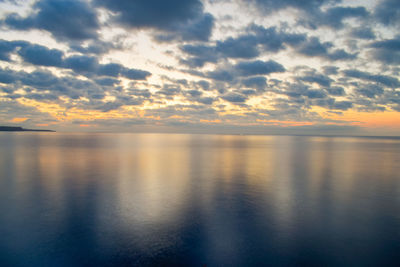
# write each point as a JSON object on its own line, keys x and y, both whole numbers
{"x": 106, "y": 199}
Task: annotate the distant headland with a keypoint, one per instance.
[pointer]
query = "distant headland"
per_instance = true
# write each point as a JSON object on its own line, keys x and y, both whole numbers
{"x": 20, "y": 129}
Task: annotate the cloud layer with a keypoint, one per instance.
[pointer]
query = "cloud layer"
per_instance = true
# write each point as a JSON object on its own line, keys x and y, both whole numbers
{"x": 198, "y": 64}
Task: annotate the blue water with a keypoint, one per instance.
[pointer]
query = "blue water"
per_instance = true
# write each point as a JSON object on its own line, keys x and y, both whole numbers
{"x": 194, "y": 200}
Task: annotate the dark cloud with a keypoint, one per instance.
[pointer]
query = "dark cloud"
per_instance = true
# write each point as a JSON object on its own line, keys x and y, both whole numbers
{"x": 200, "y": 54}
{"x": 331, "y": 103}
{"x": 305, "y": 5}
{"x": 139, "y": 92}
{"x": 385, "y": 80}
{"x": 248, "y": 92}
{"x": 41, "y": 96}
{"x": 258, "y": 67}
{"x": 336, "y": 91}
{"x": 258, "y": 82}
{"x": 388, "y": 12}
{"x": 96, "y": 47}
{"x": 333, "y": 17}
{"x": 340, "y": 54}
{"x": 342, "y": 105}
{"x": 65, "y": 19}
{"x": 387, "y": 51}
{"x": 135, "y": 74}
{"x": 170, "y": 90}
{"x": 330, "y": 70}
{"x": 234, "y": 98}
{"x": 250, "y": 45}
{"x": 230, "y": 74}
{"x": 363, "y": 33}
{"x": 317, "y": 78}
{"x": 41, "y": 55}
{"x": 6, "y": 47}
{"x": 194, "y": 93}
{"x": 205, "y": 100}
{"x": 273, "y": 40}
{"x": 241, "y": 47}
{"x": 203, "y": 84}
{"x": 39, "y": 79}
{"x": 197, "y": 30}
{"x": 107, "y": 81}
{"x": 258, "y": 39}
{"x": 221, "y": 75}
{"x": 44, "y": 85}
{"x": 370, "y": 90}
{"x": 316, "y": 93}
{"x": 110, "y": 69}
{"x": 314, "y": 48}
{"x": 153, "y": 13}
{"x": 179, "y": 18}
{"x": 7, "y": 76}
{"x": 82, "y": 64}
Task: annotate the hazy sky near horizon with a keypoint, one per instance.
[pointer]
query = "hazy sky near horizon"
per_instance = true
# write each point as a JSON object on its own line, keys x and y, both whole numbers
{"x": 218, "y": 66}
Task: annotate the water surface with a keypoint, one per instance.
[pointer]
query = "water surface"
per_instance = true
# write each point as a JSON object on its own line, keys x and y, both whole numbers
{"x": 153, "y": 199}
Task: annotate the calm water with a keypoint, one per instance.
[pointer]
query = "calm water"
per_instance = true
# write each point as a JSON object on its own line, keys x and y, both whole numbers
{"x": 148, "y": 199}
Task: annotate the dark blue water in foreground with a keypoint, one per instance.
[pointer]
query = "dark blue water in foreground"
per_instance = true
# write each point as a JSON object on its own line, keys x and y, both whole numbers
{"x": 143, "y": 199}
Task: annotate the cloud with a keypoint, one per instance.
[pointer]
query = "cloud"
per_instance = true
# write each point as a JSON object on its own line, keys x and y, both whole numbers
{"x": 197, "y": 30}
{"x": 268, "y": 39}
{"x": 387, "y": 51}
{"x": 342, "y": 105}
{"x": 385, "y": 80}
{"x": 250, "y": 45}
{"x": 200, "y": 54}
{"x": 96, "y": 47}
{"x": 66, "y": 20}
{"x": 370, "y": 90}
{"x": 317, "y": 78}
{"x": 221, "y": 75}
{"x": 178, "y": 18}
{"x": 258, "y": 82}
{"x": 7, "y": 76}
{"x": 229, "y": 73}
{"x": 306, "y": 5}
{"x": 273, "y": 40}
{"x": 11, "y": 109}
{"x": 44, "y": 85}
{"x": 330, "y": 70}
{"x": 258, "y": 67}
{"x": 221, "y": 72}
{"x": 234, "y": 98}
{"x": 388, "y": 12}
{"x": 314, "y": 48}
{"x": 135, "y": 74}
{"x": 110, "y": 69}
{"x": 39, "y": 79}
{"x": 333, "y": 17}
{"x": 363, "y": 33}
{"x": 81, "y": 64}
{"x": 336, "y": 91}
{"x": 6, "y": 47}
{"x": 241, "y": 47}
{"x": 107, "y": 81}
{"x": 169, "y": 90}
{"x": 41, "y": 55}
{"x": 314, "y": 93}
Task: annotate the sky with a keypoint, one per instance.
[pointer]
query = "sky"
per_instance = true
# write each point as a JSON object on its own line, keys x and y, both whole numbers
{"x": 212, "y": 66}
